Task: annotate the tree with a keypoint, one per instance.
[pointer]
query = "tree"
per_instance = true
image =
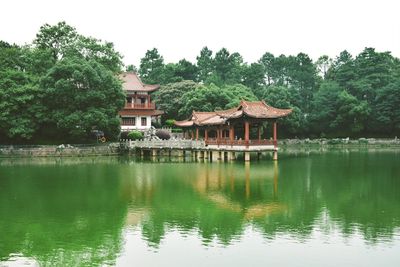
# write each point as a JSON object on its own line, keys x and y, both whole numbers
{"x": 337, "y": 112}
{"x": 324, "y": 107}
{"x": 20, "y": 110}
{"x": 323, "y": 64}
{"x": 267, "y": 61}
{"x": 211, "y": 97}
{"x": 169, "y": 98}
{"x": 62, "y": 40}
{"x": 343, "y": 70}
{"x": 186, "y": 70}
{"x": 281, "y": 97}
{"x": 228, "y": 68}
{"x": 81, "y": 96}
{"x": 131, "y": 68}
{"x": 205, "y": 64}
{"x": 386, "y": 109}
{"x": 151, "y": 67}
{"x": 253, "y": 77}
{"x": 57, "y": 38}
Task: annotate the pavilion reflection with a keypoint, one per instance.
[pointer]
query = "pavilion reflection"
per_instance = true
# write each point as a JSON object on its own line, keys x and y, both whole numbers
{"x": 232, "y": 189}
{"x": 221, "y": 200}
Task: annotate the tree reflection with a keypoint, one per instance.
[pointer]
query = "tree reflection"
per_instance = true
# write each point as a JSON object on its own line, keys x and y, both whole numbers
{"x": 75, "y": 214}
{"x": 63, "y": 215}
{"x": 221, "y": 200}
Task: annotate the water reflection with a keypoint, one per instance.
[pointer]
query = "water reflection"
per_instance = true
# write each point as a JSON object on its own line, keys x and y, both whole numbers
{"x": 77, "y": 213}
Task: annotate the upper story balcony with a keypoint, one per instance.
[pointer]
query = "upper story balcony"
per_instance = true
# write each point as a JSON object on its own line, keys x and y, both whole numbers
{"x": 140, "y": 106}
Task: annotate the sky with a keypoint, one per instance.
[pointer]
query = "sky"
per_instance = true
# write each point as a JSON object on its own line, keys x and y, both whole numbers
{"x": 180, "y": 28}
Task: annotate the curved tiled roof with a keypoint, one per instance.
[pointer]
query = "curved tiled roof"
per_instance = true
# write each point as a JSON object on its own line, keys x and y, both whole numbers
{"x": 254, "y": 109}
{"x": 131, "y": 82}
{"x": 260, "y": 110}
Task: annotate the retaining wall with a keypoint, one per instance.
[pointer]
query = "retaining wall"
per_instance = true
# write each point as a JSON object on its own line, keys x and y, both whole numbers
{"x": 59, "y": 151}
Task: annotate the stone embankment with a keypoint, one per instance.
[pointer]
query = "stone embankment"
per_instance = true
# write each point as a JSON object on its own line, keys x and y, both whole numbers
{"x": 60, "y": 150}
{"x": 369, "y": 142}
{"x": 115, "y": 148}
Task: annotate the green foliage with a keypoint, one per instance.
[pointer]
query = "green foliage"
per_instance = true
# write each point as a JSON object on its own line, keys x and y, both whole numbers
{"x": 63, "y": 86}
{"x": 82, "y": 95}
{"x": 135, "y": 135}
{"x": 64, "y": 41}
{"x": 60, "y": 88}
{"x": 170, "y": 122}
{"x": 151, "y": 67}
{"x": 211, "y": 97}
{"x": 177, "y": 130}
{"x": 131, "y": 68}
{"x": 205, "y": 64}
{"x": 169, "y": 97}
{"x": 386, "y": 108}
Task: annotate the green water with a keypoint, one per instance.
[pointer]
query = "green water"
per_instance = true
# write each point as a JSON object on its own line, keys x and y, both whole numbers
{"x": 335, "y": 208}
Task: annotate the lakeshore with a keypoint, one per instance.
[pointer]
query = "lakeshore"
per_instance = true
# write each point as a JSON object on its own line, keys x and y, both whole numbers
{"x": 114, "y": 149}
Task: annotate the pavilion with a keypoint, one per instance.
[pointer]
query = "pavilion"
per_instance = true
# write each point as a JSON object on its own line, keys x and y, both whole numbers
{"x": 238, "y": 128}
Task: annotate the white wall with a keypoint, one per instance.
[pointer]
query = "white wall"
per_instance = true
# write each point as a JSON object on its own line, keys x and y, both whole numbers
{"x": 138, "y": 125}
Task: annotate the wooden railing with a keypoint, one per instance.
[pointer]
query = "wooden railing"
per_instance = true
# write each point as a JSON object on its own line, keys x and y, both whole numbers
{"x": 140, "y": 105}
{"x": 228, "y": 142}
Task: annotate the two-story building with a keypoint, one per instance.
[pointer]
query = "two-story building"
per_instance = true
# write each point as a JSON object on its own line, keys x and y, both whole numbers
{"x": 138, "y": 110}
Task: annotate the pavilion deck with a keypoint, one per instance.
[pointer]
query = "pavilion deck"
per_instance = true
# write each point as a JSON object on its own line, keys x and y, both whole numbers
{"x": 200, "y": 149}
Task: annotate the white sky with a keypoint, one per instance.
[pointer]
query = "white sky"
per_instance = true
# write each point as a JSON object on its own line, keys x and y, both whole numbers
{"x": 180, "y": 28}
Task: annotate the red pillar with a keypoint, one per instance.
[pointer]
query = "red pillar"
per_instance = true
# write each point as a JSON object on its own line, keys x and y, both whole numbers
{"x": 275, "y": 135}
{"x": 197, "y": 134}
{"x": 205, "y": 135}
{"x": 231, "y": 133}
{"x": 246, "y": 133}
{"x": 259, "y": 133}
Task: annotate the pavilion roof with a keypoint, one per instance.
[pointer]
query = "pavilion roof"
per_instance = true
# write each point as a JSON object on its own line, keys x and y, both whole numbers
{"x": 252, "y": 109}
{"x": 131, "y": 82}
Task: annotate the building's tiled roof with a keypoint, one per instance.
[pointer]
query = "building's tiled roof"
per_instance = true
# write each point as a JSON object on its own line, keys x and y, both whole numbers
{"x": 131, "y": 82}
{"x": 260, "y": 110}
{"x": 140, "y": 112}
{"x": 185, "y": 123}
{"x": 255, "y": 109}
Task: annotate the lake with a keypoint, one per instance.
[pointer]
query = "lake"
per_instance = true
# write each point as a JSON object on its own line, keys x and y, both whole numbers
{"x": 331, "y": 208}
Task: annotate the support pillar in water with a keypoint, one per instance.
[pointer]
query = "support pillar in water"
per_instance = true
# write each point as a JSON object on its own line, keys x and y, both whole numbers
{"x": 246, "y": 156}
{"x": 275, "y": 155}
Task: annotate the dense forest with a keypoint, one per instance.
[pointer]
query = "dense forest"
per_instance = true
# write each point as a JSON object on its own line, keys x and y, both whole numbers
{"x": 342, "y": 97}
{"x": 64, "y": 85}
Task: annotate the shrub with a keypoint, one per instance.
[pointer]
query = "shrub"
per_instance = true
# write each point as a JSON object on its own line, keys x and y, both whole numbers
{"x": 162, "y": 134}
{"x": 170, "y": 122}
{"x": 177, "y": 130}
{"x": 135, "y": 135}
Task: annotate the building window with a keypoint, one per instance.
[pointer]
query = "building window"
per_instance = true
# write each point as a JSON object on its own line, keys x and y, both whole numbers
{"x": 129, "y": 121}
{"x": 144, "y": 121}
